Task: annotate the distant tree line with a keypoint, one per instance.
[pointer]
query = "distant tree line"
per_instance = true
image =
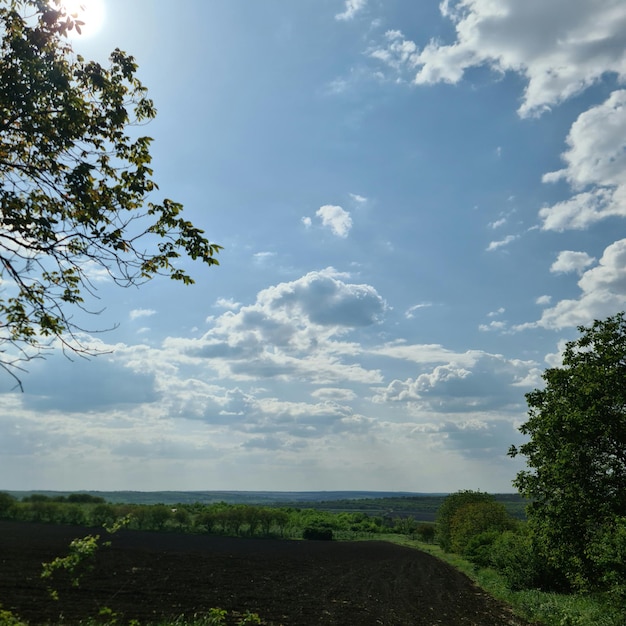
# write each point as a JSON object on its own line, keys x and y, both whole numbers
{"x": 242, "y": 520}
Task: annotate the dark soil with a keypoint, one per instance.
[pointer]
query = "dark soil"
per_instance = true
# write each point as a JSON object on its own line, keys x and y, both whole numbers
{"x": 149, "y": 576}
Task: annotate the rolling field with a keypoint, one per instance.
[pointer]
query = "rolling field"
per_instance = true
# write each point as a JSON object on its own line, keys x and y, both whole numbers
{"x": 151, "y": 576}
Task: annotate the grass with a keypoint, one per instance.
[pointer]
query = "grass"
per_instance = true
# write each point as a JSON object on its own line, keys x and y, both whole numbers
{"x": 539, "y": 607}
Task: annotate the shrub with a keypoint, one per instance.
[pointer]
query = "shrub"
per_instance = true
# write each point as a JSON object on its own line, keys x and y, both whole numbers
{"x": 7, "y": 503}
{"x": 475, "y": 518}
{"x": 426, "y": 532}
{"x": 102, "y": 514}
{"x": 479, "y": 548}
{"x": 448, "y": 509}
{"x": 320, "y": 534}
{"x": 607, "y": 551}
{"x": 515, "y": 556}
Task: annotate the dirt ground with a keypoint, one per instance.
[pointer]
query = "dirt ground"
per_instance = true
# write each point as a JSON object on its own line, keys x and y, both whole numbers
{"x": 148, "y": 576}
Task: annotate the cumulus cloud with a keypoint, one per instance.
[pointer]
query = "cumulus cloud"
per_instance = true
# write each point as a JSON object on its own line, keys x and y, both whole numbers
{"x": 595, "y": 168}
{"x": 569, "y": 261}
{"x": 560, "y": 47}
{"x": 227, "y": 303}
{"x": 488, "y": 382}
{"x": 293, "y": 328}
{"x": 398, "y": 53}
{"x": 335, "y": 218}
{"x": 603, "y": 293}
{"x": 352, "y": 7}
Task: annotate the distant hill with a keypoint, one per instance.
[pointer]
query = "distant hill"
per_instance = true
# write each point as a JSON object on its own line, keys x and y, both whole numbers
{"x": 231, "y": 497}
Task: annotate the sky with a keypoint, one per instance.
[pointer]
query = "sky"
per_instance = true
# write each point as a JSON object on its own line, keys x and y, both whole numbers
{"x": 419, "y": 202}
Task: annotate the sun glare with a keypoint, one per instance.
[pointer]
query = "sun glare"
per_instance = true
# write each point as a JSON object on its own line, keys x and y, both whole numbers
{"x": 91, "y": 12}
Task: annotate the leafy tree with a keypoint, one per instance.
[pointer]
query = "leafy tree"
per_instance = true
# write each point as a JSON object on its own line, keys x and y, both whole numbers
{"x": 75, "y": 178}
{"x": 576, "y": 454}
{"x": 85, "y": 498}
{"x": 103, "y": 514}
{"x": 7, "y": 502}
{"x": 448, "y": 509}
{"x": 426, "y": 532}
{"x": 475, "y": 518}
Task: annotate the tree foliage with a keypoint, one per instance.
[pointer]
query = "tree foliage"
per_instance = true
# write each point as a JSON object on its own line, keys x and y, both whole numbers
{"x": 75, "y": 182}
{"x": 475, "y": 518}
{"x": 576, "y": 454}
{"x": 448, "y": 509}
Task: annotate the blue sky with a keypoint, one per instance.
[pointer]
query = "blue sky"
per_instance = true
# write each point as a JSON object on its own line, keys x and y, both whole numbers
{"x": 418, "y": 203}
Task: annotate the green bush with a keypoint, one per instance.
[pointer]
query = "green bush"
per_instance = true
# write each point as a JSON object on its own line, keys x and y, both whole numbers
{"x": 607, "y": 551}
{"x": 475, "y": 518}
{"x": 515, "y": 556}
{"x": 426, "y": 532}
{"x": 7, "y": 503}
{"x": 321, "y": 534}
{"x": 479, "y": 548}
{"x": 448, "y": 509}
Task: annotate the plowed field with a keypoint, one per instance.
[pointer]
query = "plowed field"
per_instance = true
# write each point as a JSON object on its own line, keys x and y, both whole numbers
{"x": 149, "y": 576}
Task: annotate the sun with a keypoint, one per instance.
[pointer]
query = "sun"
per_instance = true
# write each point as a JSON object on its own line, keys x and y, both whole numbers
{"x": 91, "y": 12}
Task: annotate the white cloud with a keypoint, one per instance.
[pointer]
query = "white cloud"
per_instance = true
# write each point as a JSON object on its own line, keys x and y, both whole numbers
{"x": 95, "y": 272}
{"x": 603, "y": 293}
{"x": 488, "y": 382}
{"x": 399, "y": 53}
{"x": 492, "y": 326}
{"x": 498, "y": 223}
{"x": 597, "y": 146}
{"x": 496, "y": 313}
{"x": 335, "y": 218}
{"x": 582, "y": 210}
{"x": 595, "y": 168}
{"x": 262, "y": 257}
{"x": 410, "y": 312}
{"x": 292, "y": 330}
{"x": 227, "y": 303}
{"x": 543, "y": 300}
{"x": 307, "y": 222}
{"x": 569, "y": 261}
{"x": 138, "y": 313}
{"x": 352, "y": 7}
{"x": 560, "y": 47}
{"x": 334, "y": 393}
{"x": 358, "y": 198}
{"x": 494, "y": 245}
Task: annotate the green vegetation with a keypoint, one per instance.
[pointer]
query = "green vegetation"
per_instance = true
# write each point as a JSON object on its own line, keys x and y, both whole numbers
{"x": 241, "y": 520}
{"x": 106, "y": 617}
{"x": 540, "y": 607}
{"x": 75, "y": 182}
{"x": 567, "y": 564}
{"x": 577, "y": 462}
